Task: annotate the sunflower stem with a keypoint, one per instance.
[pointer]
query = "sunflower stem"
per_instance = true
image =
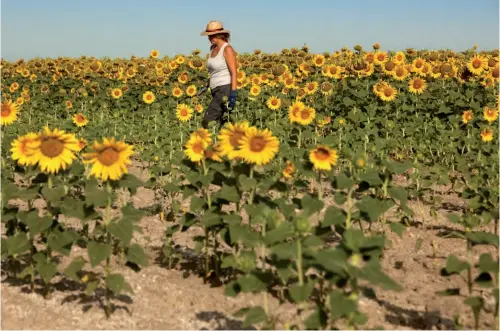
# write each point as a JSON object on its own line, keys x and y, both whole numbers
{"x": 300, "y": 137}
{"x": 320, "y": 187}
{"x": 252, "y": 192}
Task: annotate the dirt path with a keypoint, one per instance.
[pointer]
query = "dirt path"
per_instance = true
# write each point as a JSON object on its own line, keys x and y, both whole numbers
{"x": 178, "y": 299}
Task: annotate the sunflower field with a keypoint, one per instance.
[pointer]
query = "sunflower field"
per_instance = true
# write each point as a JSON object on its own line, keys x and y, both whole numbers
{"x": 293, "y": 199}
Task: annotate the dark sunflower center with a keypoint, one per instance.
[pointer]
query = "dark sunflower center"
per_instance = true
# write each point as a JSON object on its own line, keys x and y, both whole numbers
{"x": 304, "y": 114}
{"x": 109, "y": 156}
{"x": 149, "y": 97}
{"x": 322, "y": 154}
{"x": 184, "y": 112}
{"x": 257, "y": 144}
{"x": 389, "y": 66}
{"x": 80, "y": 118}
{"x": 417, "y": 84}
{"x": 274, "y": 102}
{"x": 387, "y": 92}
{"x": 6, "y": 110}
{"x": 52, "y": 147}
{"x": 495, "y": 72}
{"x": 380, "y": 57}
{"x": 198, "y": 148}
{"x": 476, "y": 64}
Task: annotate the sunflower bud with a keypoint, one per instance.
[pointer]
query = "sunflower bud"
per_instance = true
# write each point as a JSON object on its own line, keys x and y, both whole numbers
{"x": 376, "y": 46}
{"x": 302, "y": 225}
{"x": 358, "y": 48}
{"x": 245, "y": 263}
{"x": 355, "y": 260}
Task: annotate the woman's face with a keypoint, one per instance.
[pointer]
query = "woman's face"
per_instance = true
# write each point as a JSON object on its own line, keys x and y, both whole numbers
{"x": 212, "y": 39}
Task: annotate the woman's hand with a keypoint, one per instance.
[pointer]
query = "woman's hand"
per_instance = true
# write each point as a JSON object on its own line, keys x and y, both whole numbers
{"x": 232, "y": 99}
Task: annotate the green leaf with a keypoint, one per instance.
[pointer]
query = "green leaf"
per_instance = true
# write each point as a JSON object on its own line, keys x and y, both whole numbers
{"x": 18, "y": 243}
{"x": 131, "y": 182}
{"x": 115, "y": 282}
{"x": 301, "y": 293}
{"x": 334, "y": 216}
{"x": 343, "y": 182}
{"x": 229, "y": 193}
{"x": 334, "y": 260}
{"x": 476, "y": 303}
{"x": 130, "y": 213}
{"x": 254, "y": 315}
{"x": 53, "y": 195}
{"x": 372, "y": 273}
{"x": 196, "y": 204}
{"x": 487, "y": 264}
{"x": 353, "y": 239}
{"x": 37, "y": 224}
{"x": 340, "y": 306}
{"x": 61, "y": 241}
{"x": 123, "y": 230}
{"x": 282, "y": 232}
{"x": 246, "y": 183}
{"x": 74, "y": 208}
{"x": 47, "y": 270}
{"x": 398, "y": 167}
{"x": 311, "y": 205}
{"x": 136, "y": 254}
{"x": 75, "y": 266}
{"x": 91, "y": 287}
{"x": 398, "y": 193}
{"x": 397, "y": 228}
{"x": 97, "y": 252}
{"x": 211, "y": 219}
{"x": 95, "y": 196}
{"x": 372, "y": 177}
{"x": 373, "y": 207}
{"x": 285, "y": 251}
{"x": 232, "y": 289}
{"x": 482, "y": 238}
{"x": 455, "y": 265}
{"x": 251, "y": 283}
{"x": 243, "y": 233}
{"x": 317, "y": 320}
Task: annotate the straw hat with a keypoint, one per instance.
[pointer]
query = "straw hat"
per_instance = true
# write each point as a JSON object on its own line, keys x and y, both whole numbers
{"x": 214, "y": 27}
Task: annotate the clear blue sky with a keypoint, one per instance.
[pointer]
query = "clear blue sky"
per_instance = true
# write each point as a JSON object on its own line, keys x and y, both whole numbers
{"x": 121, "y": 28}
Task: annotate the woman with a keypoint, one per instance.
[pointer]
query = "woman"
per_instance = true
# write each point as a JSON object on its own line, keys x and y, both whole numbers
{"x": 221, "y": 65}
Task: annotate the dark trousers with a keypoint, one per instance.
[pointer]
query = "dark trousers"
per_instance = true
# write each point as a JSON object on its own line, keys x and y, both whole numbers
{"x": 217, "y": 107}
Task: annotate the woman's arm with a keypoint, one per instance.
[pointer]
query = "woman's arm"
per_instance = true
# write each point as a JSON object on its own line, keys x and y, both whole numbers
{"x": 230, "y": 57}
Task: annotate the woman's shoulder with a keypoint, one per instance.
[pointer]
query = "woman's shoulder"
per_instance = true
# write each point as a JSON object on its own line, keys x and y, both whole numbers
{"x": 229, "y": 49}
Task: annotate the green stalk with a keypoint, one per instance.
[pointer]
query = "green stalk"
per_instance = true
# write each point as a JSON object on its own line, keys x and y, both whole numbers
{"x": 320, "y": 187}
{"x": 252, "y": 192}
{"x": 107, "y": 306}
{"x": 300, "y": 137}
{"x": 299, "y": 262}
{"x": 349, "y": 212}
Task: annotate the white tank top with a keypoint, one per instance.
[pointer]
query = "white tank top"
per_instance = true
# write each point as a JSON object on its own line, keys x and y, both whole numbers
{"x": 217, "y": 67}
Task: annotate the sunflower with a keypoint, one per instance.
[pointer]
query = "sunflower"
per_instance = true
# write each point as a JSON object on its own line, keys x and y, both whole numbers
{"x": 289, "y": 169}
{"x": 229, "y": 138}
{"x": 258, "y": 146}
{"x": 490, "y": 114}
{"x": 323, "y": 158}
{"x": 255, "y": 79}
{"x": 82, "y": 143}
{"x": 180, "y": 59}
{"x": 20, "y": 101}
{"x": 154, "y": 54}
{"x": 177, "y": 92}
{"x": 477, "y": 64}
{"x": 400, "y": 73}
{"x": 203, "y": 134}
{"x": 487, "y": 135}
{"x": 399, "y": 58}
{"x": 116, "y": 93}
{"x": 195, "y": 148}
{"x": 183, "y": 78}
{"x": 417, "y": 64}
{"x": 240, "y": 76}
{"x": 417, "y": 85}
{"x": 273, "y": 103}
{"x": 19, "y": 149}
{"x": 184, "y": 112}
{"x": 9, "y": 112}
{"x": 53, "y": 150}
{"x": 311, "y": 88}
{"x": 294, "y": 110}
{"x": 198, "y": 108}
{"x": 148, "y": 97}
{"x": 380, "y": 58}
{"x": 306, "y": 116}
{"x": 191, "y": 90}
{"x": 387, "y": 93}
{"x": 80, "y": 120}
{"x": 467, "y": 116}
{"x": 255, "y": 90}
{"x": 318, "y": 60}
{"x": 69, "y": 104}
{"x": 110, "y": 159}
{"x": 326, "y": 88}
{"x": 214, "y": 153}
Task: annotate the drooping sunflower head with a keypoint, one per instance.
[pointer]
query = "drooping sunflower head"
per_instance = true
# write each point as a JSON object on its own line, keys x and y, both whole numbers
{"x": 109, "y": 159}
{"x": 230, "y": 137}
{"x": 184, "y": 112}
{"x": 258, "y": 146}
{"x": 53, "y": 150}
{"x": 80, "y": 120}
{"x": 323, "y": 158}
{"x": 9, "y": 112}
{"x": 289, "y": 169}
{"x": 326, "y": 88}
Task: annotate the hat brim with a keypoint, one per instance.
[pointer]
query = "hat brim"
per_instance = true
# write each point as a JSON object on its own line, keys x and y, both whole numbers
{"x": 205, "y": 33}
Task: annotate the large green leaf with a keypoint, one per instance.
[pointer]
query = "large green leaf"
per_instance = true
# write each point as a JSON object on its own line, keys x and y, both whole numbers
{"x": 18, "y": 243}
{"x": 301, "y": 293}
{"x": 115, "y": 282}
{"x": 136, "y": 254}
{"x": 98, "y": 252}
{"x": 123, "y": 230}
